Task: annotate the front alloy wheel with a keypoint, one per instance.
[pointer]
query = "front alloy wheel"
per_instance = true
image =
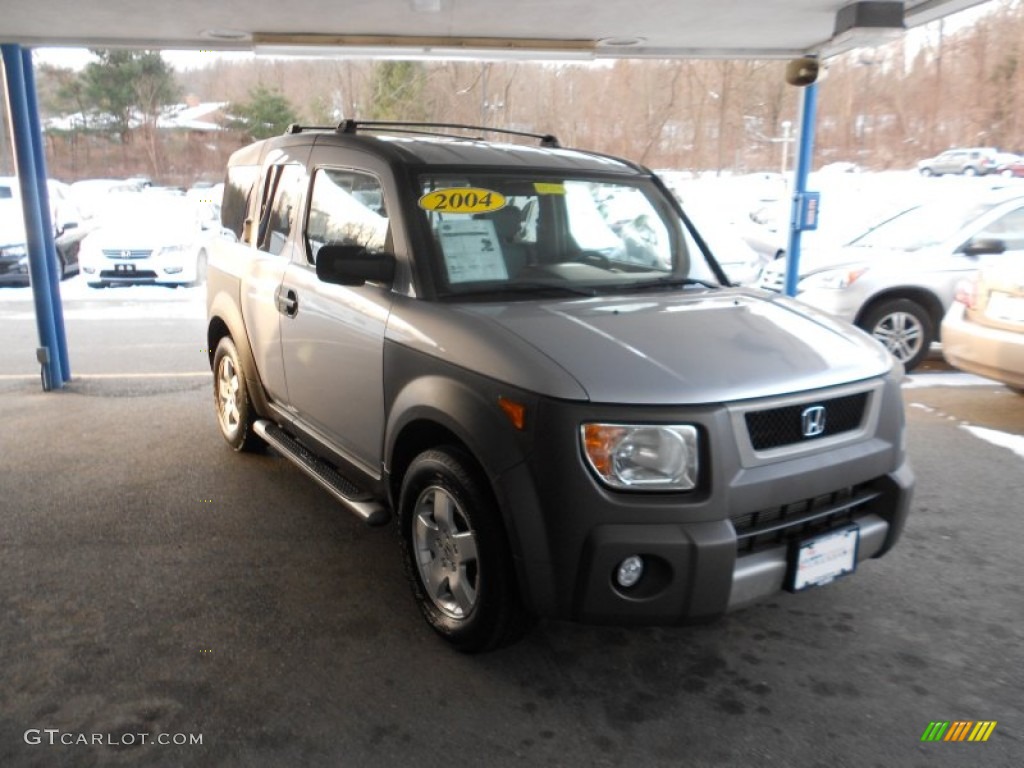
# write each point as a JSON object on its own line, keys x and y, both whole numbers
{"x": 457, "y": 556}
{"x": 446, "y": 552}
{"x": 235, "y": 414}
{"x": 904, "y": 328}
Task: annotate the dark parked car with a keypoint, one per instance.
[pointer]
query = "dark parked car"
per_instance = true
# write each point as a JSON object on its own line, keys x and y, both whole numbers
{"x": 68, "y": 232}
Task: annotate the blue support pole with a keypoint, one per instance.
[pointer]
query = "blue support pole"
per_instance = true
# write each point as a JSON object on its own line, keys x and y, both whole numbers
{"x": 48, "y": 353}
{"x": 808, "y": 113}
{"x": 52, "y": 263}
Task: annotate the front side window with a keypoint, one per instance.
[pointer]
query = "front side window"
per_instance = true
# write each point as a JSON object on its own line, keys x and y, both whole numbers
{"x": 1009, "y": 228}
{"x": 238, "y": 187}
{"x": 516, "y": 233}
{"x": 278, "y": 218}
{"x": 346, "y": 208}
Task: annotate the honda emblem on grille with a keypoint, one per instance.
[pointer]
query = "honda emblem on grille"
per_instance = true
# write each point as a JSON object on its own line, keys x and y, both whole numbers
{"x": 126, "y": 254}
{"x": 812, "y": 420}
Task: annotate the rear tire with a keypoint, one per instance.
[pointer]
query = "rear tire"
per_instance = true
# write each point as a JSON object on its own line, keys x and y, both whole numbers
{"x": 903, "y": 327}
{"x": 235, "y": 414}
{"x": 456, "y": 553}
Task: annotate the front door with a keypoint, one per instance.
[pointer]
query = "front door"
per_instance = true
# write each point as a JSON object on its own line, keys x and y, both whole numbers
{"x": 333, "y": 340}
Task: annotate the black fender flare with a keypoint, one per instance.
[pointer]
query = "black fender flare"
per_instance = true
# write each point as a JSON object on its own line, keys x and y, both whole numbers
{"x": 224, "y": 318}
{"x": 482, "y": 427}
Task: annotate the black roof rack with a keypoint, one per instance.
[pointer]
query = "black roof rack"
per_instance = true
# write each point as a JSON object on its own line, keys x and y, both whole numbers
{"x": 421, "y": 129}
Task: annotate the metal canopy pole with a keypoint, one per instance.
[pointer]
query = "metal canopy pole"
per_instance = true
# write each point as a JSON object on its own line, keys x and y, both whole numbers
{"x": 38, "y": 231}
{"x": 53, "y": 264}
{"x": 799, "y": 212}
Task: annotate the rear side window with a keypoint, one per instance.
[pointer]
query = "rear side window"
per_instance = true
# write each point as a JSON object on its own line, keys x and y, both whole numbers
{"x": 238, "y": 187}
{"x": 346, "y": 208}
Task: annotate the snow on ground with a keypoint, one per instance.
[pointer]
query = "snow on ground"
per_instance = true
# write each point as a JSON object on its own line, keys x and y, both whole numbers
{"x": 1003, "y": 439}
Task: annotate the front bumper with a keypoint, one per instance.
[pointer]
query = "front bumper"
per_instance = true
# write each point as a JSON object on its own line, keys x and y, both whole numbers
{"x": 156, "y": 268}
{"x": 716, "y": 549}
{"x": 841, "y": 303}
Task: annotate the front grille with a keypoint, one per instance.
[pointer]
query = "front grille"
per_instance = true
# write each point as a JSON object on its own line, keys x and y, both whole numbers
{"x": 127, "y": 254}
{"x": 776, "y": 427}
{"x": 138, "y": 274}
{"x": 770, "y": 527}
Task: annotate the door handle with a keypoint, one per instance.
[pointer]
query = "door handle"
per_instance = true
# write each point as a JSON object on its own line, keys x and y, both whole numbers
{"x": 287, "y": 302}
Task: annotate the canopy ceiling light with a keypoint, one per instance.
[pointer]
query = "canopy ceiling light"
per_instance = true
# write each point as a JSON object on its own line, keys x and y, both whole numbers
{"x": 865, "y": 25}
{"x": 403, "y": 46}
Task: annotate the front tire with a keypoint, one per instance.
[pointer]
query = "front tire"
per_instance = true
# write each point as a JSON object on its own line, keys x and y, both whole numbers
{"x": 235, "y": 414}
{"x": 904, "y": 328}
{"x": 456, "y": 553}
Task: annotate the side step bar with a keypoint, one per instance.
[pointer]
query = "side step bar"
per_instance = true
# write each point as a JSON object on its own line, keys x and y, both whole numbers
{"x": 355, "y": 500}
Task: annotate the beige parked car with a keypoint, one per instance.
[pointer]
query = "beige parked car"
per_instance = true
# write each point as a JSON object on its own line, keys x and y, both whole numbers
{"x": 983, "y": 331}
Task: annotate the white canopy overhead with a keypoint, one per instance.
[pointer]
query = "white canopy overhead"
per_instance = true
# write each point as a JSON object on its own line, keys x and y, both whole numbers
{"x": 475, "y": 28}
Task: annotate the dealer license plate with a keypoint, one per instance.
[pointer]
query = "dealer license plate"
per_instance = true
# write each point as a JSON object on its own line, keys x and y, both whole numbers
{"x": 824, "y": 558}
{"x": 1003, "y": 306}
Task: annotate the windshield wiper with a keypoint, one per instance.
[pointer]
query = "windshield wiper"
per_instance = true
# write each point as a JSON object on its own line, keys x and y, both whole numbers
{"x": 520, "y": 287}
{"x": 669, "y": 281}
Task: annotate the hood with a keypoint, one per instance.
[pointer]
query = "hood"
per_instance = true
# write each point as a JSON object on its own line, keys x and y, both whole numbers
{"x": 689, "y": 348}
{"x": 141, "y": 236}
{"x": 834, "y": 258}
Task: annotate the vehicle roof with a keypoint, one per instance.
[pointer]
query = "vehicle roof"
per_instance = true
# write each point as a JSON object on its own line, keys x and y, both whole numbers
{"x": 455, "y": 151}
{"x": 981, "y": 195}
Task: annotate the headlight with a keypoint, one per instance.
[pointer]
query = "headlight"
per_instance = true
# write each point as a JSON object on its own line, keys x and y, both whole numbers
{"x": 834, "y": 279}
{"x": 642, "y": 456}
{"x": 173, "y": 250}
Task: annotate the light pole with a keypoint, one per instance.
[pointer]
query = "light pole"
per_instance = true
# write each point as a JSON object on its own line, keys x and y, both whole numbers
{"x": 787, "y": 127}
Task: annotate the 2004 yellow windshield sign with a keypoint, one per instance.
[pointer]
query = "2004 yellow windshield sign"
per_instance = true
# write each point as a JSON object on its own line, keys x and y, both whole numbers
{"x": 462, "y": 200}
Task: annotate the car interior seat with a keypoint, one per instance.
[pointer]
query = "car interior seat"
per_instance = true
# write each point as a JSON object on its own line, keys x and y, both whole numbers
{"x": 507, "y": 224}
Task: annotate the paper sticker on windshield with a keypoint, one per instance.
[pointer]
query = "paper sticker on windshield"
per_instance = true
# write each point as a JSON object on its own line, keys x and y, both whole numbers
{"x": 462, "y": 200}
{"x": 548, "y": 188}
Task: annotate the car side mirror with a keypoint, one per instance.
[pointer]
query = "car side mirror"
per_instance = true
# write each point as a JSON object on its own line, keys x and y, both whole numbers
{"x": 984, "y": 246}
{"x": 353, "y": 265}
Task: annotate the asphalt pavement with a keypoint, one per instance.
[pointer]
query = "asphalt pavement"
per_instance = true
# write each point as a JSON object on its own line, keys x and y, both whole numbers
{"x": 158, "y": 587}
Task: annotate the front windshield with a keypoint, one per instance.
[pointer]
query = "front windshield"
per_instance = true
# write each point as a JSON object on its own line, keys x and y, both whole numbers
{"x": 921, "y": 227}
{"x": 501, "y": 233}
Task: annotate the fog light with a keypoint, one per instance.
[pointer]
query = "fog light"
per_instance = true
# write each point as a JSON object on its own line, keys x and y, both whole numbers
{"x": 89, "y": 270}
{"x": 629, "y": 572}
